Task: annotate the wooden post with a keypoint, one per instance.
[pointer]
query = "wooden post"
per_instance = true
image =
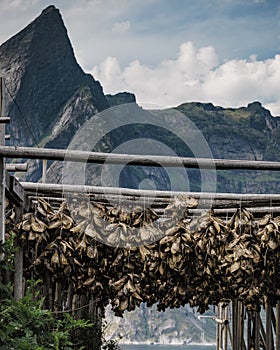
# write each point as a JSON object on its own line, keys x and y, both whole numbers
{"x": 2, "y": 163}
{"x": 277, "y": 328}
{"x": 224, "y": 326}
{"x": 44, "y": 170}
{"x": 238, "y": 342}
{"x": 218, "y": 328}
{"x": 235, "y": 325}
{"x": 262, "y": 333}
{"x": 257, "y": 329}
{"x": 18, "y": 276}
{"x": 269, "y": 339}
{"x": 250, "y": 331}
{"x": 241, "y": 325}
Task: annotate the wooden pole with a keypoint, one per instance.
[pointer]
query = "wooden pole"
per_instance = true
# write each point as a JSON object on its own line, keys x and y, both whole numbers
{"x": 16, "y": 167}
{"x": 256, "y": 329}
{"x": 47, "y": 188}
{"x": 250, "y": 321}
{"x": 44, "y": 170}
{"x": 134, "y": 159}
{"x": 240, "y": 325}
{"x": 218, "y": 329}
{"x": 262, "y": 333}
{"x": 277, "y": 328}
{"x": 2, "y": 163}
{"x": 234, "y": 325}
{"x": 269, "y": 339}
{"x": 225, "y": 327}
{"x": 18, "y": 275}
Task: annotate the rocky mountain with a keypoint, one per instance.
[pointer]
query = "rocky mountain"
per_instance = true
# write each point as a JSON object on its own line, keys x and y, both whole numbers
{"x": 239, "y": 133}
{"x": 48, "y": 92}
{"x": 49, "y": 97}
{"x": 174, "y": 326}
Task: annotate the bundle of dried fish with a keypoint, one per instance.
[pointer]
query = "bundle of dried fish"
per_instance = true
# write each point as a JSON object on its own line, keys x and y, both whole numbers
{"x": 126, "y": 257}
{"x": 242, "y": 260}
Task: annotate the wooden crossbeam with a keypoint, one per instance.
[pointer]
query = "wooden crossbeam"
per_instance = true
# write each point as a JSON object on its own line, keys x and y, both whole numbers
{"x": 16, "y": 167}
{"x": 134, "y": 159}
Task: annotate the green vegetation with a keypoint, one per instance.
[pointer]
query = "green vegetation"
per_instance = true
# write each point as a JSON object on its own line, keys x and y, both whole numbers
{"x": 25, "y": 325}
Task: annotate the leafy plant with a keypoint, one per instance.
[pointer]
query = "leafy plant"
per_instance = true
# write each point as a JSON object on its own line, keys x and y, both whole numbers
{"x": 25, "y": 325}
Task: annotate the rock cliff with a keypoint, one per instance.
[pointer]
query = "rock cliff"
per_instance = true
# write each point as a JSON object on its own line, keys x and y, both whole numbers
{"x": 44, "y": 80}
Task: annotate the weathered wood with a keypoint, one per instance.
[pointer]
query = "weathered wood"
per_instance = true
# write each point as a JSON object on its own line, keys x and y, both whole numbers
{"x": 16, "y": 167}
{"x": 134, "y": 159}
{"x": 256, "y": 332}
{"x": 44, "y": 170}
{"x": 218, "y": 328}
{"x": 269, "y": 337}
{"x": 158, "y": 204}
{"x": 277, "y": 328}
{"x": 16, "y": 190}
{"x": 225, "y": 327}
{"x": 69, "y": 298}
{"x": 57, "y": 297}
{"x": 2, "y": 163}
{"x": 234, "y": 313}
{"x": 50, "y": 293}
{"x": 4, "y": 120}
{"x": 238, "y": 342}
{"x": 262, "y": 333}
{"x": 241, "y": 326}
{"x": 250, "y": 341}
{"x": 18, "y": 275}
{"x": 230, "y": 336}
{"x": 149, "y": 194}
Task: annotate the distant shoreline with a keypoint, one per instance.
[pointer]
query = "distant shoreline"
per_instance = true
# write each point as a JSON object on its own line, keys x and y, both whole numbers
{"x": 171, "y": 344}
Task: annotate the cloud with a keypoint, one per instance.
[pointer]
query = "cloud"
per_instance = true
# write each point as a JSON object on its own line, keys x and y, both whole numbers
{"x": 121, "y": 27}
{"x": 147, "y": 61}
{"x": 15, "y": 4}
{"x": 196, "y": 75}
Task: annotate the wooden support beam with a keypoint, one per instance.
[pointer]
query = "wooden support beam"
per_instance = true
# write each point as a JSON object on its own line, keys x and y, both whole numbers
{"x": 16, "y": 167}
{"x": 241, "y": 326}
{"x": 234, "y": 318}
{"x": 269, "y": 337}
{"x": 44, "y": 170}
{"x": 262, "y": 334}
{"x": 277, "y": 328}
{"x": 4, "y": 120}
{"x": 18, "y": 275}
{"x": 218, "y": 329}
{"x": 225, "y": 327}
{"x": 14, "y": 189}
{"x": 2, "y": 162}
{"x": 134, "y": 159}
{"x": 230, "y": 335}
{"x": 256, "y": 329}
{"x": 250, "y": 341}
{"x": 39, "y": 187}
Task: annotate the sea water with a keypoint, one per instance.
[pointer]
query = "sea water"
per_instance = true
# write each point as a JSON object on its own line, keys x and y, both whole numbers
{"x": 168, "y": 347}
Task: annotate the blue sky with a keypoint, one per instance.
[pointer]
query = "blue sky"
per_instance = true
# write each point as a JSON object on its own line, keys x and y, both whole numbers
{"x": 170, "y": 51}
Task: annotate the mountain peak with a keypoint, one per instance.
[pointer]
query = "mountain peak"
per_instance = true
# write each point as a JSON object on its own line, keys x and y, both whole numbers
{"x": 42, "y": 74}
{"x": 50, "y": 8}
